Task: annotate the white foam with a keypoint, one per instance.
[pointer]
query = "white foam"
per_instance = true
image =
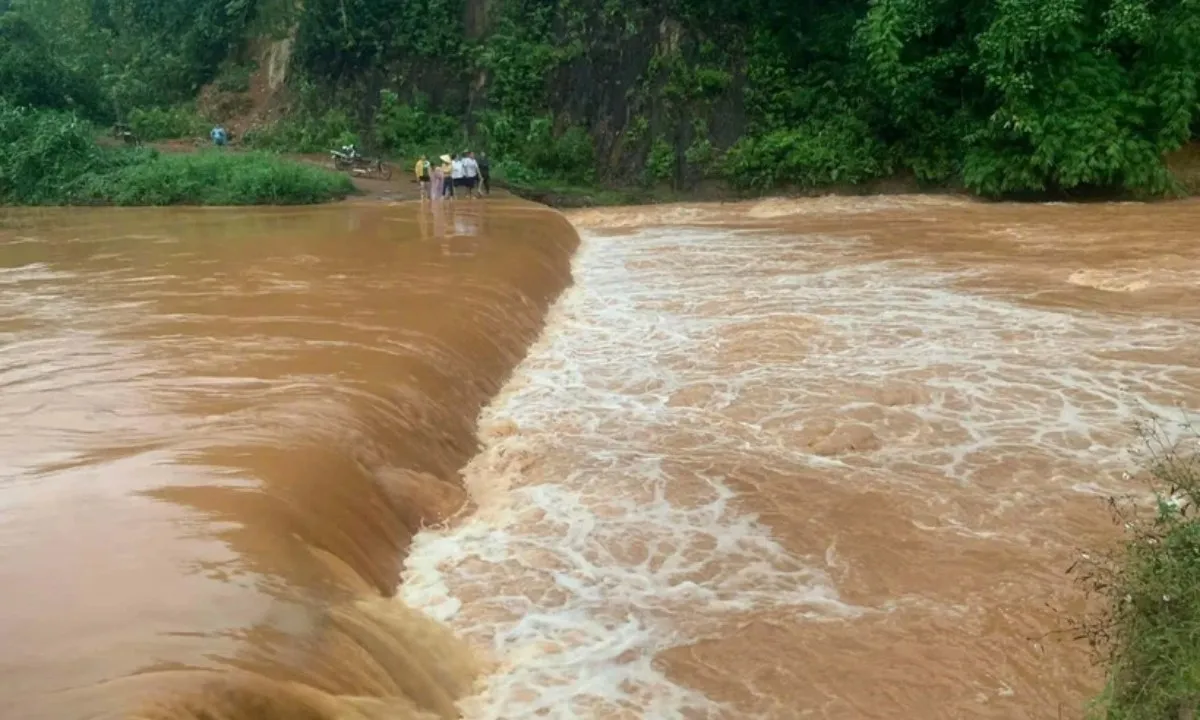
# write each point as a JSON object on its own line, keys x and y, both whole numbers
{"x": 606, "y": 532}
{"x": 600, "y": 554}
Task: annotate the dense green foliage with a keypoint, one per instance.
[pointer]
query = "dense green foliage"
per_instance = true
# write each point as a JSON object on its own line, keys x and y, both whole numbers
{"x": 306, "y": 133}
{"x": 44, "y": 155}
{"x": 30, "y": 74}
{"x": 49, "y": 157}
{"x": 998, "y": 96}
{"x": 158, "y": 123}
{"x": 141, "y": 53}
{"x": 1149, "y": 628}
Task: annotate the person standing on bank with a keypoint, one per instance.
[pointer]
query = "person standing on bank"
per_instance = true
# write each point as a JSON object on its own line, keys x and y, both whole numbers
{"x": 485, "y": 173}
{"x": 471, "y": 173}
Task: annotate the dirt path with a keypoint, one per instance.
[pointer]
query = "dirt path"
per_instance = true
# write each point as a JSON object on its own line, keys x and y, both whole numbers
{"x": 401, "y": 186}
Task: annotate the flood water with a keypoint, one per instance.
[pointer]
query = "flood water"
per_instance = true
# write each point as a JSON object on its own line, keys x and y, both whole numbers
{"x": 819, "y": 458}
{"x": 219, "y": 430}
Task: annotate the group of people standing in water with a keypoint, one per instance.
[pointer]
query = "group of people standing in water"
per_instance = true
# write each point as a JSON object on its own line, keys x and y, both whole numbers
{"x": 456, "y": 175}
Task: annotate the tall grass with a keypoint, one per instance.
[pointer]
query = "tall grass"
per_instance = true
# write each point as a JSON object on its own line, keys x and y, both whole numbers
{"x": 50, "y": 158}
{"x": 215, "y": 177}
{"x": 166, "y": 123}
{"x": 42, "y": 154}
{"x": 1148, "y": 626}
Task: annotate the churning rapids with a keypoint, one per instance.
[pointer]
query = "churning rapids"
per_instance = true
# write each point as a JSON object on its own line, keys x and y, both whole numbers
{"x": 815, "y": 458}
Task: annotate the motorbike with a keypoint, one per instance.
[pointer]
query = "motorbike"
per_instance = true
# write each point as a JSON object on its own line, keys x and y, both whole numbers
{"x": 348, "y": 158}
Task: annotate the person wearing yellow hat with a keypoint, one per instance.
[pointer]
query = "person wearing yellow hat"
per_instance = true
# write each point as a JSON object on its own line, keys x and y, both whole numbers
{"x": 438, "y": 177}
{"x": 447, "y": 176}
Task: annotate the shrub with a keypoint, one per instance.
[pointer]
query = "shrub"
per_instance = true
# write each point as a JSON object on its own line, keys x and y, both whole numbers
{"x": 569, "y": 156}
{"x": 305, "y": 133}
{"x": 514, "y": 172}
{"x": 216, "y": 177}
{"x": 817, "y": 153}
{"x": 532, "y": 153}
{"x": 42, "y": 154}
{"x": 50, "y": 158}
{"x": 1148, "y": 628}
{"x": 660, "y": 164}
{"x": 166, "y": 123}
{"x": 235, "y": 78}
{"x": 410, "y": 129}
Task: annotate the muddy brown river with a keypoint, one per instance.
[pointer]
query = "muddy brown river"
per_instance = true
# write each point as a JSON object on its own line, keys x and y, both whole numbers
{"x": 821, "y": 458}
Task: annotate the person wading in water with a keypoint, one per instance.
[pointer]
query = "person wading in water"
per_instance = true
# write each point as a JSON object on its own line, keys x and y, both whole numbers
{"x": 422, "y": 173}
{"x": 485, "y": 173}
{"x": 457, "y": 176}
{"x": 447, "y": 176}
{"x": 439, "y": 178}
{"x": 471, "y": 173}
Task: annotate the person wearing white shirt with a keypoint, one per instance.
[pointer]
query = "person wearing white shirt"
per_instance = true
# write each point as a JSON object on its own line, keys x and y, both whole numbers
{"x": 471, "y": 173}
{"x": 457, "y": 178}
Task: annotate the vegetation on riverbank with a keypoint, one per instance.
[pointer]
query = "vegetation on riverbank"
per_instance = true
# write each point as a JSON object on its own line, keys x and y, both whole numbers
{"x": 1147, "y": 629}
{"x": 995, "y": 97}
{"x": 50, "y": 157}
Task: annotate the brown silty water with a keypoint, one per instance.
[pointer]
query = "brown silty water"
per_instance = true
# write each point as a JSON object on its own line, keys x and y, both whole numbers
{"x": 821, "y": 458}
{"x": 818, "y": 458}
{"x": 220, "y": 430}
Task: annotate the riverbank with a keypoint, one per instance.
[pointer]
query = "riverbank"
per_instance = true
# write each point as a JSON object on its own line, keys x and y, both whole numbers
{"x": 567, "y": 196}
{"x": 53, "y": 158}
{"x": 211, "y": 177}
{"x": 1184, "y": 164}
{"x": 401, "y": 186}
{"x": 1145, "y": 589}
{"x": 190, "y": 172}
